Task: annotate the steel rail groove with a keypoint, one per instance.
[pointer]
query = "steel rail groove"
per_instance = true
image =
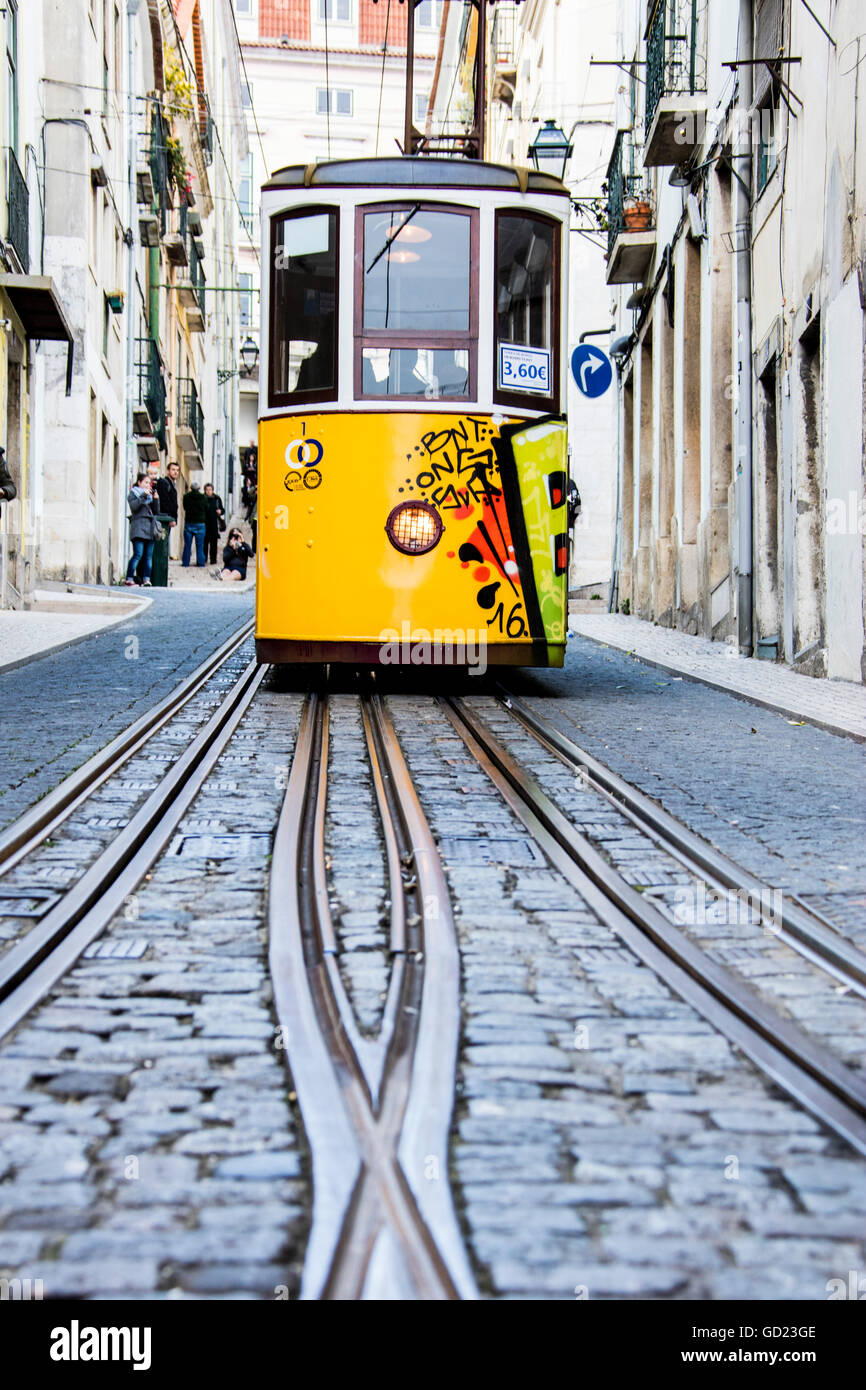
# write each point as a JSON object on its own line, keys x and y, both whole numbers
{"x": 34, "y": 964}
{"x": 804, "y": 1068}
{"x": 801, "y": 928}
{"x": 376, "y": 1114}
{"x": 24, "y": 834}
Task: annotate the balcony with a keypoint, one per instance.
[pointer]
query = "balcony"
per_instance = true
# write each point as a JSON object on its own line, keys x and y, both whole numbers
{"x": 503, "y": 51}
{"x": 189, "y": 430}
{"x": 148, "y": 413}
{"x": 676, "y": 81}
{"x": 19, "y": 214}
{"x": 190, "y": 287}
{"x": 630, "y": 249}
{"x": 205, "y": 128}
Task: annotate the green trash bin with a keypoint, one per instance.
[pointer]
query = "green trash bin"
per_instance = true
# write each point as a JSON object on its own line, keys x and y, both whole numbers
{"x": 159, "y": 564}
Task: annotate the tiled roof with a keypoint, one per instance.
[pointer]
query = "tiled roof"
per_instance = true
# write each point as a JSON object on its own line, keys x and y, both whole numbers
{"x": 294, "y": 47}
{"x": 372, "y": 20}
{"x": 278, "y": 17}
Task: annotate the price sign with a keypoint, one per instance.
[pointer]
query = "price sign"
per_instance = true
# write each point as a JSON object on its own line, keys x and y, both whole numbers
{"x": 524, "y": 368}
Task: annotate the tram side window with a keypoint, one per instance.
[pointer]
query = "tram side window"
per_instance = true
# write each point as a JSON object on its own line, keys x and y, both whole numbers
{"x": 417, "y": 328}
{"x": 304, "y": 307}
{"x": 526, "y": 306}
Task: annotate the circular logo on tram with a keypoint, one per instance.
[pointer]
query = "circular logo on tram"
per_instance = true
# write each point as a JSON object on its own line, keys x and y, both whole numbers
{"x": 293, "y": 480}
{"x": 312, "y": 478}
{"x": 304, "y": 453}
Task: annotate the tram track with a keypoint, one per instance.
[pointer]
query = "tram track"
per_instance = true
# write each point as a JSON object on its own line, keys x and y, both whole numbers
{"x": 377, "y": 1115}
{"x": 47, "y": 815}
{"x": 33, "y": 964}
{"x": 807, "y": 1070}
{"x": 791, "y": 921}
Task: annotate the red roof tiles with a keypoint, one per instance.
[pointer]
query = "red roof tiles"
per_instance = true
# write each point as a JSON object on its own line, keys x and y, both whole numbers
{"x": 289, "y": 17}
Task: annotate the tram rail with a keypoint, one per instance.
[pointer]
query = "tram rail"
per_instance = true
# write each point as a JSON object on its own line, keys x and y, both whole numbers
{"x": 49, "y": 813}
{"x": 808, "y": 1071}
{"x": 792, "y": 921}
{"x": 377, "y": 1115}
{"x": 33, "y": 964}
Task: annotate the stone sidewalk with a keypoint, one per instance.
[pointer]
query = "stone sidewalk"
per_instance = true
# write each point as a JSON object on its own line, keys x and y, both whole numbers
{"x": 61, "y": 618}
{"x": 839, "y": 706}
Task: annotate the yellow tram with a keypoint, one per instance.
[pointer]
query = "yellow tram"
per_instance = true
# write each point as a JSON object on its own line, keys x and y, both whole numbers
{"x": 413, "y": 490}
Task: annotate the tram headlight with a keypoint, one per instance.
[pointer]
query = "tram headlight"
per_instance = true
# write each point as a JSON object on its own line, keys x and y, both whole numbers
{"x": 414, "y": 527}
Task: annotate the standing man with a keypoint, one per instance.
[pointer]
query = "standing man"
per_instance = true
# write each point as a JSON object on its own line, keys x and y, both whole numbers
{"x": 214, "y": 523}
{"x": 8, "y": 490}
{"x": 194, "y": 515}
{"x": 166, "y": 491}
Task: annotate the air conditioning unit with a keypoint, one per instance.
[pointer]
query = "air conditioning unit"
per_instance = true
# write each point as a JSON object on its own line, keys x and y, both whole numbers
{"x": 144, "y": 185}
{"x": 148, "y": 229}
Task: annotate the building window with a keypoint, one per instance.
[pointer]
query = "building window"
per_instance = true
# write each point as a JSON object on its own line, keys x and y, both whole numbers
{"x": 245, "y": 193}
{"x": 246, "y": 96}
{"x": 12, "y": 71}
{"x": 335, "y": 11}
{"x": 422, "y": 101}
{"x": 303, "y": 309}
{"x": 428, "y": 15}
{"x": 105, "y": 42}
{"x": 418, "y": 330}
{"x": 243, "y": 7}
{"x": 768, "y": 154}
{"x": 340, "y": 100}
{"x": 245, "y": 299}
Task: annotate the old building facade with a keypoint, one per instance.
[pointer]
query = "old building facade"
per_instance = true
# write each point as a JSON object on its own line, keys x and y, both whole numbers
{"x": 735, "y": 212}
{"x": 124, "y": 137}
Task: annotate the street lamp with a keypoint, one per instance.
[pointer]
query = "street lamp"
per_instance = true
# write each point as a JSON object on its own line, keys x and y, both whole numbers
{"x": 550, "y": 151}
{"x": 249, "y": 361}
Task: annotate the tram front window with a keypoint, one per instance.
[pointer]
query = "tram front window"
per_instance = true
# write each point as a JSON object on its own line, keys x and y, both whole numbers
{"x": 417, "y": 322}
{"x": 526, "y": 305}
{"x": 429, "y": 372}
{"x": 304, "y": 306}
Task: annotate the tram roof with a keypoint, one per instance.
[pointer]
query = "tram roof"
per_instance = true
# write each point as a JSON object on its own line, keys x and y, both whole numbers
{"x": 413, "y": 172}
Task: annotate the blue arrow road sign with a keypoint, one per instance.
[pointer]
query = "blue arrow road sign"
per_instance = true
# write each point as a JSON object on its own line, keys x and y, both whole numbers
{"x": 591, "y": 369}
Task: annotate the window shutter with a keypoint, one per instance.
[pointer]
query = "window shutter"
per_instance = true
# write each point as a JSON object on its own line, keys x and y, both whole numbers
{"x": 768, "y": 43}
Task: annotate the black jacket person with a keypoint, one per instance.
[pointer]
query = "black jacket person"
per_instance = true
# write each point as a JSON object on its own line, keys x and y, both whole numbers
{"x": 8, "y": 490}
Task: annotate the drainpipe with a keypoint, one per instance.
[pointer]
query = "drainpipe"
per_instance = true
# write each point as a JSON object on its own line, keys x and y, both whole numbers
{"x": 743, "y": 272}
{"x": 131, "y": 315}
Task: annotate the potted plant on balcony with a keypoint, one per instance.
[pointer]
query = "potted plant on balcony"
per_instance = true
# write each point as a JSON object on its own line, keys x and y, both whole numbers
{"x": 637, "y": 210}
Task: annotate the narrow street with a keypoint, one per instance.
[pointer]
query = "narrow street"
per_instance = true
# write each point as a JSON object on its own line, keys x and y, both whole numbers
{"x": 607, "y": 1141}
{"x": 433, "y": 674}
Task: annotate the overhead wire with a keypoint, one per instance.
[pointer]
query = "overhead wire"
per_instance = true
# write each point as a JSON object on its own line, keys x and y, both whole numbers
{"x": 410, "y": 20}
{"x": 327, "y": 77}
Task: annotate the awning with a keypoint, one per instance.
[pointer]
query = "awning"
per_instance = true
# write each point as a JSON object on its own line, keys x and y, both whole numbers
{"x": 37, "y": 304}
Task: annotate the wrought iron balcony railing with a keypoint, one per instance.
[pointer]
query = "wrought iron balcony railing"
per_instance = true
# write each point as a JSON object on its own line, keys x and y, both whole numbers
{"x": 19, "y": 214}
{"x": 502, "y": 38}
{"x": 196, "y": 271}
{"x": 159, "y": 164}
{"x": 190, "y": 413}
{"x": 622, "y": 180}
{"x": 675, "y": 60}
{"x": 205, "y": 128}
{"x": 151, "y": 386}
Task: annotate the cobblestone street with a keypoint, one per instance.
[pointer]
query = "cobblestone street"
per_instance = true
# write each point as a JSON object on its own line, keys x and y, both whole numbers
{"x": 80, "y": 697}
{"x": 607, "y": 1141}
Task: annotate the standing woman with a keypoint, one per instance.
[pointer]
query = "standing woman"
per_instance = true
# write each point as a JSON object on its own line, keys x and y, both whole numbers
{"x": 142, "y": 528}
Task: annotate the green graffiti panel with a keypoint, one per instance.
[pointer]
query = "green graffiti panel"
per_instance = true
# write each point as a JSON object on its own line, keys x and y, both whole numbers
{"x": 541, "y": 458}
